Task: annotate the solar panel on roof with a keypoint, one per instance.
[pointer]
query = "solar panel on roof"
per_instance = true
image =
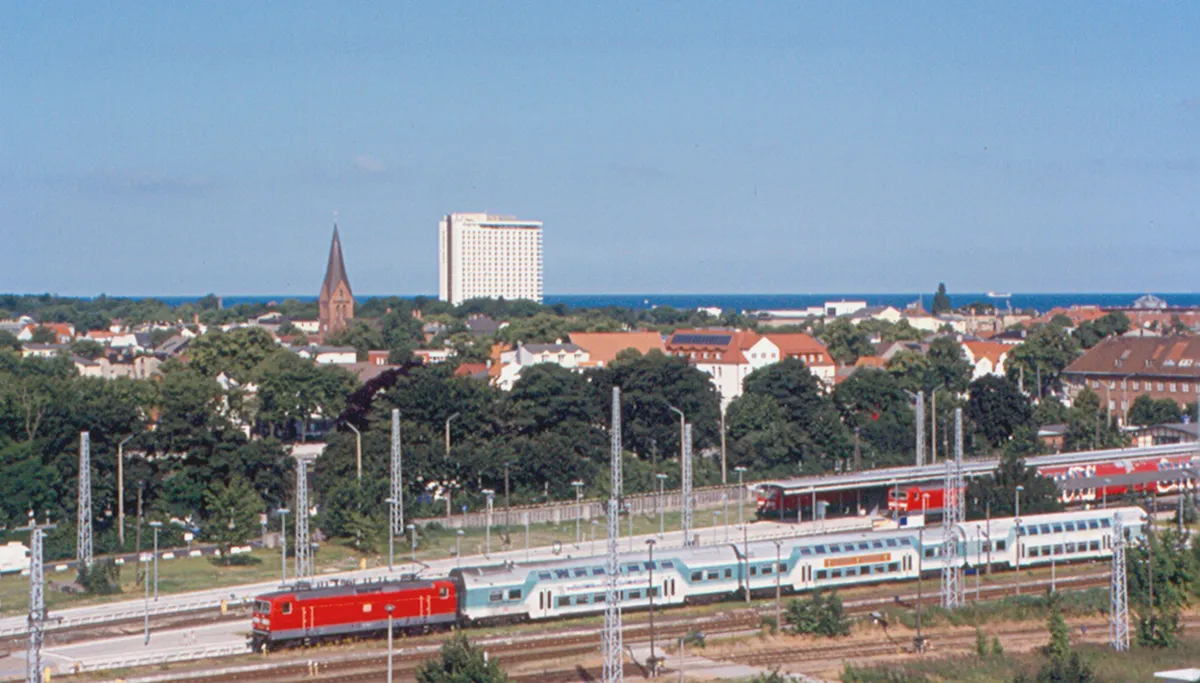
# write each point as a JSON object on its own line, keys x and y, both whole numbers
{"x": 702, "y": 339}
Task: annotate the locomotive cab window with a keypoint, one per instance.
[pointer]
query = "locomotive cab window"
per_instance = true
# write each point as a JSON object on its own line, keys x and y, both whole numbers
{"x": 1001, "y": 545}
{"x": 513, "y": 593}
{"x": 729, "y": 573}
{"x": 496, "y": 596}
{"x": 262, "y": 606}
{"x": 668, "y": 564}
{"x": 443, "y": 592}
{"x": 286, "y": 609}
{"x": 697, "y": 576}
{"x": 782, "y": 567}
{"x": 713, "y": 574}
{"x": 754, "y": 571}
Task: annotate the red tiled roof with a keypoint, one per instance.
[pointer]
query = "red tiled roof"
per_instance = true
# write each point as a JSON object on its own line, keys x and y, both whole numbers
{"x": 603, "y": 347}
{"x": 803, "y": 346}
{"x": 469, "y": 369}
{"x": 1133, "y": 356}
{"x": 870, "y": 362}
{"x": 992, "y": 351}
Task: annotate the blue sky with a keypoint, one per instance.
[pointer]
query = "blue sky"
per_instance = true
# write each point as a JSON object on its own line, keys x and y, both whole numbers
{"x": 183, "y": 148}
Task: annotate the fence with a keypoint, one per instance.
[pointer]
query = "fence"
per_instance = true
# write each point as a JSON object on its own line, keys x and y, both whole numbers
{"x": 131, "y": 614}
{"x": 555, "y": 513}
{"x": 134, "y": 661}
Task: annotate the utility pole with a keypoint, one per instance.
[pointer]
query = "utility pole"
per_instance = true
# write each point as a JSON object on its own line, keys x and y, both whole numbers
{"x": 686, "y": 518}
{"x": 933, "y": 427}
{"x": 1118, "y": 609}
{"x": 614, "y": 671}
{"x": 37, "y": 600}
{"x": 650, "y": 593}
{"x": 778, "y": 591}
{"x": 304, "y": 566}
{"x": 446, "y": 455}
{"x": 920, "y": 424}
{"x": 396, "y": 509}
{"x": 357, "y": 452}
{"x": 121, "y": 490}
{"x": 83, "y": 546}
{"x": 952, "y": 593}
{"x": 724, "y": 478}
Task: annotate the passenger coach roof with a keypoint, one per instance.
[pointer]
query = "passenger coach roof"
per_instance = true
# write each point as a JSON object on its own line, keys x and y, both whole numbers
{"x": 518, "y": 572}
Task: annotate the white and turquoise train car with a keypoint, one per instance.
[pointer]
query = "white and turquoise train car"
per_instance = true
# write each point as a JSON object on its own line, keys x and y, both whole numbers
{"x": 810, "y": 562}
{"x": 561, "y": 588}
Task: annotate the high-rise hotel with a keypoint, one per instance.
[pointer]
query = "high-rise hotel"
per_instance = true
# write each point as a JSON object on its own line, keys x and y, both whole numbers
{"x": 486, "y": 256}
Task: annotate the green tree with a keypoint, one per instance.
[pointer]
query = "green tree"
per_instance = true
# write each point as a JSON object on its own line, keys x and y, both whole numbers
{"x": 1059, "y": 647}
{"x": 291, "y": 390}
{"x": 1090, "y": 427}
{"x": 845, "y": 341}
{"x": 941, "y": 300}
{"x": 760, "y": 437}
{"x": 999, "y": 491}
{"x": 87, "y": 348}
{"x": 42, "y": 335}
{"x": 1173, "y": 576}
{"x": 911, "y": 370}
{"x": 948, "y": 365}
{"x": 360, "y": 335}
{"x": 460, "y": 662}
{"x": 8, "y": 341}
{"x": 1044, "y": 354}
{"x": 820, "y": 614}
{"x": 805, "y": 406}
{"x": 997, "y": 408}
{"x": 235, "y": 353}
{"x": 231, "y": 513}
{"x": 872, "y": 402}
{"x": 1148, "y": 411}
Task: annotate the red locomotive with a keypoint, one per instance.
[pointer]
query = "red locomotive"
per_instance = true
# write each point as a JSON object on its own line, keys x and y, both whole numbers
{"x": 304, "y": 613}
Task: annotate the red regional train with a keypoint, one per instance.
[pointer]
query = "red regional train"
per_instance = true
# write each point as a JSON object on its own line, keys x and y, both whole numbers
{"x": 908, "y": 499}
{"x": 303, "y": 613}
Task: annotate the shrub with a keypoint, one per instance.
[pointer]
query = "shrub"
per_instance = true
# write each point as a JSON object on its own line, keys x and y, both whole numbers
{"x": 818, "y": 615}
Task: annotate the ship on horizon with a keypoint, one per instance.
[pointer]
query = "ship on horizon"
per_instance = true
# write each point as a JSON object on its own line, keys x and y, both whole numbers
{"x": 999, "y": 295}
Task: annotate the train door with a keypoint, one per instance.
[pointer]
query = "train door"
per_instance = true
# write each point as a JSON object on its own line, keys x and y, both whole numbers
{"x": 545, "y": 602}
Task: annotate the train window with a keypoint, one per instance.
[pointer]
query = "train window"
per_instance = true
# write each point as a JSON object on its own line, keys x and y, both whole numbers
{"x": 599, "y": 597}
{"x": 1001, "y": 545}
{"x": 597, "y": 571}
{"x": 287, "y": 608}
{"x": 1069, "y": 526}
{"x": 713, "y": 574}
{"x": 820, "y": 550}
{"x": 1045, "y": 528}
{"x": 668, "y": 564}
{"x": 1093, "y": 545}
{"x": 562, "y": 573}
{"x": 1057, "y": 528}
{"x": 1070, "y": 547}
{"x": 851, "y": 571}
{"x": 863, "y": 545}
{"x": 582, "y": 599}
{"x": 1105, "y": 523}
{"x": 654, "y": 592}
{"x": 754, "y": 571}
{"x": 697, "y": 576}
{"x": 635, "y": 595}
{"x": 929, "y": 552}
{"x": 822, "y": 574}
{"x": 1058, "y": 549}
{"x": 631, "y": 568}
{"x": 891, "y": 543}
{"x": 987, "y": 547}
{"x": 783, "y": 568}
{"x": 262, "y": 606}
{"x": 893, "y": 566}
{"x": 729, "y": 573}
{"x": 545, "y": 575}
{"x": 648, "y": 565}
{"x": 495, "y": 596}
{"x": 579, "y": 571}
{"x": 1093, "y": 524}
{"x": 1033, "y": 551}
{"x": 443, "y": 592}
{"x": 906, "y": 541}
{"x": 806, "y": 551}
{"x": 766, "y": 571}
{"x": 514, "y": 594}
{"x": 835, "y": 548}
{"x": 877, "y": 544}
{"x": 564, "y": 601}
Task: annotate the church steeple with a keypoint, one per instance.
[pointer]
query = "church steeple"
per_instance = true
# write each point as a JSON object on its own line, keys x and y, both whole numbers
{"x": 337, "y": 299}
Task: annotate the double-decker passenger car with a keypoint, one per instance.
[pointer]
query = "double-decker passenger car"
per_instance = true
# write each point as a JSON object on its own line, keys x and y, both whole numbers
{"x": 307, "y": 612}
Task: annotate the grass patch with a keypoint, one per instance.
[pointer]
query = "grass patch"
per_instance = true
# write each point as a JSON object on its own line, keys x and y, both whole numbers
{"x": 1082, "y": 603}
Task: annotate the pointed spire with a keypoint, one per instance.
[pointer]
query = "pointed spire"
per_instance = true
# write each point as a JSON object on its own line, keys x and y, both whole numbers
{"x": 335, "y": 272}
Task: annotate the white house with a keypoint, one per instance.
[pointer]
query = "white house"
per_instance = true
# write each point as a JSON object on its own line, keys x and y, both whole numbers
{"x": 987, "y": 357}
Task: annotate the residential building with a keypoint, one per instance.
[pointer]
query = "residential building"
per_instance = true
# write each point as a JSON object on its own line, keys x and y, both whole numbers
{"x": 64, "y": 333}
{"x": 486, "y": 256}
{"x": 603, "y": 347}
{"x": 987, "y": 356}
{"x": 728, "y": 356}
{"x": 30, "y": 349}
{"x": 566, "y": 355}
{"x": 337, "y": 299}
{"x": 432, "y": 356}
{"x": 808, "y": 349}
{"x": 335, "y": 355}
{"x": 1161, "y": 435}
{"x": 1120, "y": 369}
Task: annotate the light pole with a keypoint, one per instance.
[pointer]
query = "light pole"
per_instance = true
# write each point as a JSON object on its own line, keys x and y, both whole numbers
{"x": 458, "y": 546}
{"x": 813, "y": 491}
{"x": 283, "y": 513}
{"x": 1018, "y": 548}
{"x": 1105, "y": 493}
{"x": 682, "y": 454}
{"x": 741, "y": 493}
{"x": 725, "y": 508}
{"x": 389, "y": 608}
{"x": 446, "y": 455}
{"x": 594, "y": 523}
{"x": 392, "y": 503}
{"x": 716, "y": 522}
{"x": 146, "y": 602}
{"x": 412, "y": 530}
{"x": 662, "y": 508}
{"x": 578, "y": 509}
{"x": 357, "y": 452}
{"x": 156, "y": 526}
{"x": 978, "y": 556}
{"x": 920, "y": 642}
{"x": 490, "y": 496}
{"x": 121, "y": 490}
{"x": 778, "y": 590}
{"x": 650, "y": 592}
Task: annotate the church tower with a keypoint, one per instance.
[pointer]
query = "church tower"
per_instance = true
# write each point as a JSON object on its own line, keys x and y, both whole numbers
{"x": 337, "y": 301}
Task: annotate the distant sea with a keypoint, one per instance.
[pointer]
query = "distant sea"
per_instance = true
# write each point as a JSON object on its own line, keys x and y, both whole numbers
{"x": 757, "y": 302}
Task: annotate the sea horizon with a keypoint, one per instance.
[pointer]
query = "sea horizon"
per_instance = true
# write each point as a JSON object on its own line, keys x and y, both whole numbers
{"x": 1040, "y": 301}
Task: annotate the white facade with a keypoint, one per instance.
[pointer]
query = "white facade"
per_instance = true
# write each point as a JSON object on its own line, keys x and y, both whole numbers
{"x": 486, "y": 256}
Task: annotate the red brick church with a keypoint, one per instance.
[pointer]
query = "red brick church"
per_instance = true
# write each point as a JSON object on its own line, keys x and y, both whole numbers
{"x": 337, "y": 300}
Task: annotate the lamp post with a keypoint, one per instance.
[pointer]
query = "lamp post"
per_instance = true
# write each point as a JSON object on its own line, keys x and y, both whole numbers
{"x": 682, "y": 439}
{"x": 725, "y": 512}
{"x": 283, "y": 513}
{"x": 778, "y": 588}
{"x": 490, "y": 497}
{"x": 458, "y": 546}
{"x": 662, "y": 508}
{"x": 813, "y": 491}
{"x": 741, "y": 493}
{"x": 389, "y": 608}
{"x": 121, "y": 490}
{"x": 920, "y": 642}
{"x": 392, "y": 503}
{"x": 578, "y": 508}
{"x": 156, "y": 526}
{"x": 357, "y": 452}
{"x": 146, "y": 601}
{"x": 412, "y": 530}
{"x": 1018, "y": 548}
{"x": 650, "y": 593}
{"x": 979, "y": 535}
{"x": 446, "y": 455}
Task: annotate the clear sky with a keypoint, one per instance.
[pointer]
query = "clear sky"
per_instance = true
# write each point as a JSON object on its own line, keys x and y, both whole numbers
{"x": 737, "y": 147}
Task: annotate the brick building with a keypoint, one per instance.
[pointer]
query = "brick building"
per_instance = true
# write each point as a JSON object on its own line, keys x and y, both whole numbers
{"x": 1120, "y": 369}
